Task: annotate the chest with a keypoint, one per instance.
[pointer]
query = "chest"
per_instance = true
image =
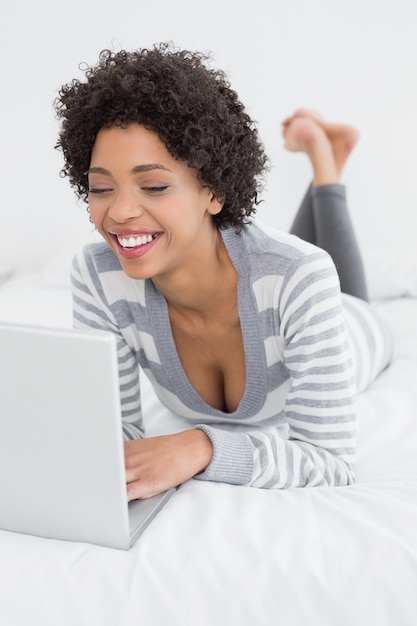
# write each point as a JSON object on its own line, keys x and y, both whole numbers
{"x": 213, "y": 359}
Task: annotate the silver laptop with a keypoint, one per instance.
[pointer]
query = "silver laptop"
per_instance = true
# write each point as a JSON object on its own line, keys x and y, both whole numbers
{"x": 62, "y": 472}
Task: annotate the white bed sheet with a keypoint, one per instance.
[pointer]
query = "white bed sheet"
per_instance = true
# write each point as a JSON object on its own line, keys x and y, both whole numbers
{"x": 219, "y": 554}
{"x": 26, "y": 299}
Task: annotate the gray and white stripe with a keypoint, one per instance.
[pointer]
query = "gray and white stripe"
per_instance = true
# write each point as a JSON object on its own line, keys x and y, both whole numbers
{"x": 305, "y": 348}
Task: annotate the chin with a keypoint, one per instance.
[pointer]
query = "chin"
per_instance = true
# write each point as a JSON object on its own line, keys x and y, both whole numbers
{"x": 135, "y": 272}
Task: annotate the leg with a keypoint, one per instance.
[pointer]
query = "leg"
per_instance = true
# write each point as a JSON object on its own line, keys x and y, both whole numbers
{"x": 323, "y": 217}
{"x": 303, "y": 224}
{"x": 335, "y": 234}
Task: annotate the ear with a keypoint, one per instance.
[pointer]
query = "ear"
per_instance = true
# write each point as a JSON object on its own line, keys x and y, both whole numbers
{"x": 215, "y": 204}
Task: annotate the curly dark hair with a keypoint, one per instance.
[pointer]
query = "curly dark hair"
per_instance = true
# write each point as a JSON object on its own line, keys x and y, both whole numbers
{"x": 190, "y": 107}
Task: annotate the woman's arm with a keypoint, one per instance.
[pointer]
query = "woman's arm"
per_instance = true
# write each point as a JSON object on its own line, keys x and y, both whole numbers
{"x": 320, "y": 410}
{"x": 91, "y": 310}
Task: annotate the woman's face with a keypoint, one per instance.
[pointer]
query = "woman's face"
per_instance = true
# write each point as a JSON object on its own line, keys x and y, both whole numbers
{"x": 149, "y": 207}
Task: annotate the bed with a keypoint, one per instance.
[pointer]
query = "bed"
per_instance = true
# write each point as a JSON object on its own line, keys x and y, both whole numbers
{"x": 219, "y": 554}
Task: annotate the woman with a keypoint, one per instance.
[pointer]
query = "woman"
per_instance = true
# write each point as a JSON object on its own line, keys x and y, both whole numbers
{"x": 241, "y": 331}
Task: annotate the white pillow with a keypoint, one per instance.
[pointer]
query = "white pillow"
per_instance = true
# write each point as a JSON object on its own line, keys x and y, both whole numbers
{"x": 56, "y": 271}
{"x": 391, "y": 274}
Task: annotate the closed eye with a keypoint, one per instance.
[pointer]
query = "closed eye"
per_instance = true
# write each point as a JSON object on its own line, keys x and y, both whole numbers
{"x": 97, "y": 191}
{"x": 156, "y": 188}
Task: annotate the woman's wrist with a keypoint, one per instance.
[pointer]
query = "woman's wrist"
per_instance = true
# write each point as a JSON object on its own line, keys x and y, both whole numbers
{"x": 198, "y": 448}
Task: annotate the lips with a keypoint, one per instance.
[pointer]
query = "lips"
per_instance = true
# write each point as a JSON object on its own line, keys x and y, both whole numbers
{"x": 132, "y": 245}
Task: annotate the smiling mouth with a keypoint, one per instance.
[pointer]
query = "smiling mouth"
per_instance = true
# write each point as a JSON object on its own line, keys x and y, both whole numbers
{"x": 128, "y": 243}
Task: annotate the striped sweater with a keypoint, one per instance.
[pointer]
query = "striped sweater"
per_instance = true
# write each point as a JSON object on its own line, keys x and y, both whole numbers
{"x": 308, "y": 349}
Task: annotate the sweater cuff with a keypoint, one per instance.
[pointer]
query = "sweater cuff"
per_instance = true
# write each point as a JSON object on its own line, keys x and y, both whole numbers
{"x": 232, "y": 460}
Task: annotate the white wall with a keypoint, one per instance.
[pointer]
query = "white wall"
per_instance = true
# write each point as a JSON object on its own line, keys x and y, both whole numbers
{"x": 353, "y": 60}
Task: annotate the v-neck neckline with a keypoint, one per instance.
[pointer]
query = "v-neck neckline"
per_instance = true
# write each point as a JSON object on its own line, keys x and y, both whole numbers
{"x": 255, "y": 359}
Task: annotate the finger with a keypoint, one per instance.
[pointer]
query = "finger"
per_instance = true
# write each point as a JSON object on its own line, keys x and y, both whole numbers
{"x": 132, "y": 474}
{"x": 140, "y": 489}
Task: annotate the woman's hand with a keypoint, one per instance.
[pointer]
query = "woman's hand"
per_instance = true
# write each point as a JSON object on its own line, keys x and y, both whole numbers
{"x": 156, "y": 464}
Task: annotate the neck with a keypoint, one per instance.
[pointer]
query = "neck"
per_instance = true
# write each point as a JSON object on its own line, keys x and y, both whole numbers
{"x": 199, "y": 288}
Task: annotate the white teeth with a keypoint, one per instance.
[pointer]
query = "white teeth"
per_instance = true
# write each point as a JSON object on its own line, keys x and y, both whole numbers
{"x": 133, "y": 242}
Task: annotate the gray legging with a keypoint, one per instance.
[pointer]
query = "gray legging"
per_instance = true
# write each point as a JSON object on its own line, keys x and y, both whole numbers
{"x": 323, "y": 219}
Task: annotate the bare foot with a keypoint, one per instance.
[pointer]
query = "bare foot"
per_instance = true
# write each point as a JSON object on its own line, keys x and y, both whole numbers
{"x": 304, "y": 134}
{"x": 301, "y": 133}
{"x": 342, "y": 137}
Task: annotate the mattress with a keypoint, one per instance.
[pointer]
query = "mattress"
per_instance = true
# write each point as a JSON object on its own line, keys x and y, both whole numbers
{"x": 221, "y": 554}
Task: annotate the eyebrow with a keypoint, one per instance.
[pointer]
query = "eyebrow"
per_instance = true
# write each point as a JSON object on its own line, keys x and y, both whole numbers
{"x": 138, "y": 169}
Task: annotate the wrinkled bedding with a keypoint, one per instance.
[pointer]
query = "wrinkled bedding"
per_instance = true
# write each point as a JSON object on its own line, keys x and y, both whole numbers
{"x": 221, "y": 554}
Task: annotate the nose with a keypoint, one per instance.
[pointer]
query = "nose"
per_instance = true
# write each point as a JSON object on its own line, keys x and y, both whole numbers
{"x": 124, "y": 207}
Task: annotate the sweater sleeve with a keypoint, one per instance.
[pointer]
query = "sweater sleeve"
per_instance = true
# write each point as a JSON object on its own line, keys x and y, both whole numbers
{"x": 318, "y": 448}
{"x": 92, "y": 310}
